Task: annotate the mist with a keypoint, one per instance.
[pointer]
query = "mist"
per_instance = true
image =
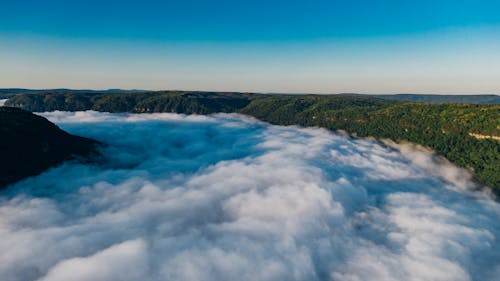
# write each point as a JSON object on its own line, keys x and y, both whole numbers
{"x": 227, "y": 197}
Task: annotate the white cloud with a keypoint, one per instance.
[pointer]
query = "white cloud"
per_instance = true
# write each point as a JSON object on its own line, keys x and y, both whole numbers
{"x": 225, "y": 197}
{"x": 125, "y": 261}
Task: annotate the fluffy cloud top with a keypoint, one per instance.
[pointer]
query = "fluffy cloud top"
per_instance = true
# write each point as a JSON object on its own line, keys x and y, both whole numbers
{"x": 226, "y": 197}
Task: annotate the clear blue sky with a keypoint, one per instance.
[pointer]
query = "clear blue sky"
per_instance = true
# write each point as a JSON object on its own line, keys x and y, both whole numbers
{"x": 384, "y": 46}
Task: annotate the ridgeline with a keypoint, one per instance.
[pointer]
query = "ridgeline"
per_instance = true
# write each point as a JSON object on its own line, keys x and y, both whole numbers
{"x": 466, "y": 134}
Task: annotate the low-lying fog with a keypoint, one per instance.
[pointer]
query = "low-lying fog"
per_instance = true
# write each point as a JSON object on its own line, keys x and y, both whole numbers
{"x": 226, "y": 197}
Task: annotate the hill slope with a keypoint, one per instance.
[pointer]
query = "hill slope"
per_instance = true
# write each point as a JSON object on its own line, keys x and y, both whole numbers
{"x": 449, "y": 129}
{"x": 31, "y": 144}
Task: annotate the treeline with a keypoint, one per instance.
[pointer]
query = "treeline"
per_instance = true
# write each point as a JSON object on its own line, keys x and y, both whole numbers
{"x": 162, "y": 101}
{"x": 444, "y": 127}
{"x": 476, "y": 99}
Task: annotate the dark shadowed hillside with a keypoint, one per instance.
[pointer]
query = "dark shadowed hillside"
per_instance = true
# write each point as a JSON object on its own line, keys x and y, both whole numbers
{"x": 31, "y": 144}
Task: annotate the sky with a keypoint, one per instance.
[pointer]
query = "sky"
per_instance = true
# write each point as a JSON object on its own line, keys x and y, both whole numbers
{"x": 378, "y": 46}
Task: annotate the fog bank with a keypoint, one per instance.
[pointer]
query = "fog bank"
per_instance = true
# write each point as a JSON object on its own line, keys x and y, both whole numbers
{"x": 226, "y": 197}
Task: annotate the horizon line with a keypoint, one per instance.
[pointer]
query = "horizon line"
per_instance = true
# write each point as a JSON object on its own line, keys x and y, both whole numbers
{"x": 243, "y": 92}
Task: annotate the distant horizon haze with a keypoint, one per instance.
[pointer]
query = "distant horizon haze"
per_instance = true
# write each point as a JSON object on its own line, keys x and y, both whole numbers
{"x": 111, "y": 90}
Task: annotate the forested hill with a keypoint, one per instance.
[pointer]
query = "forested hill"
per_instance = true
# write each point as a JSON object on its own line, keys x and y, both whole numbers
{"x": 31, "y": 144}
{"x": 6, "y": 93}
{"x": 466, "y": 134}
{"x": 478, "y": 99}
{"x": 166, "y": 101}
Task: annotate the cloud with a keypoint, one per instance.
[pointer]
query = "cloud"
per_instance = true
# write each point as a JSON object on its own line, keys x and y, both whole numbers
{"x": 125, "y": 261}
{"x": 226, "y": 197}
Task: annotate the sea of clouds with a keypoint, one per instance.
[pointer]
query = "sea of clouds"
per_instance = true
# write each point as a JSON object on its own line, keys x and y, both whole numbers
{"x": 226, "y": 197}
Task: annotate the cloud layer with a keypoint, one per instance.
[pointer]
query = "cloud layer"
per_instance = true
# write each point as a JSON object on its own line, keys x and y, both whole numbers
{"x": 226, "y": 197}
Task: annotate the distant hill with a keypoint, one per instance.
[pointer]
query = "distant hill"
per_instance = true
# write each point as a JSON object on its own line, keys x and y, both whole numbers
{"x": 10, "y": 92}
{"x": 466, "y": 134}
{"x": 477, "y": 99}
{"x": 429, "y": 98}
{"x": 30, "y": 144}
{"x": 159, "y": 101}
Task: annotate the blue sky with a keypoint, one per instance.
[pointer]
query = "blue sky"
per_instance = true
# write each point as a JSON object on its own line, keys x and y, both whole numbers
{"x": 384, "y": 46}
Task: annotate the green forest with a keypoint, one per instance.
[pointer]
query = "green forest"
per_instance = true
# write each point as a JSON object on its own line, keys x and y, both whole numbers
{"x": 445, "y": 128}
{"x": 463, "y": 133}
